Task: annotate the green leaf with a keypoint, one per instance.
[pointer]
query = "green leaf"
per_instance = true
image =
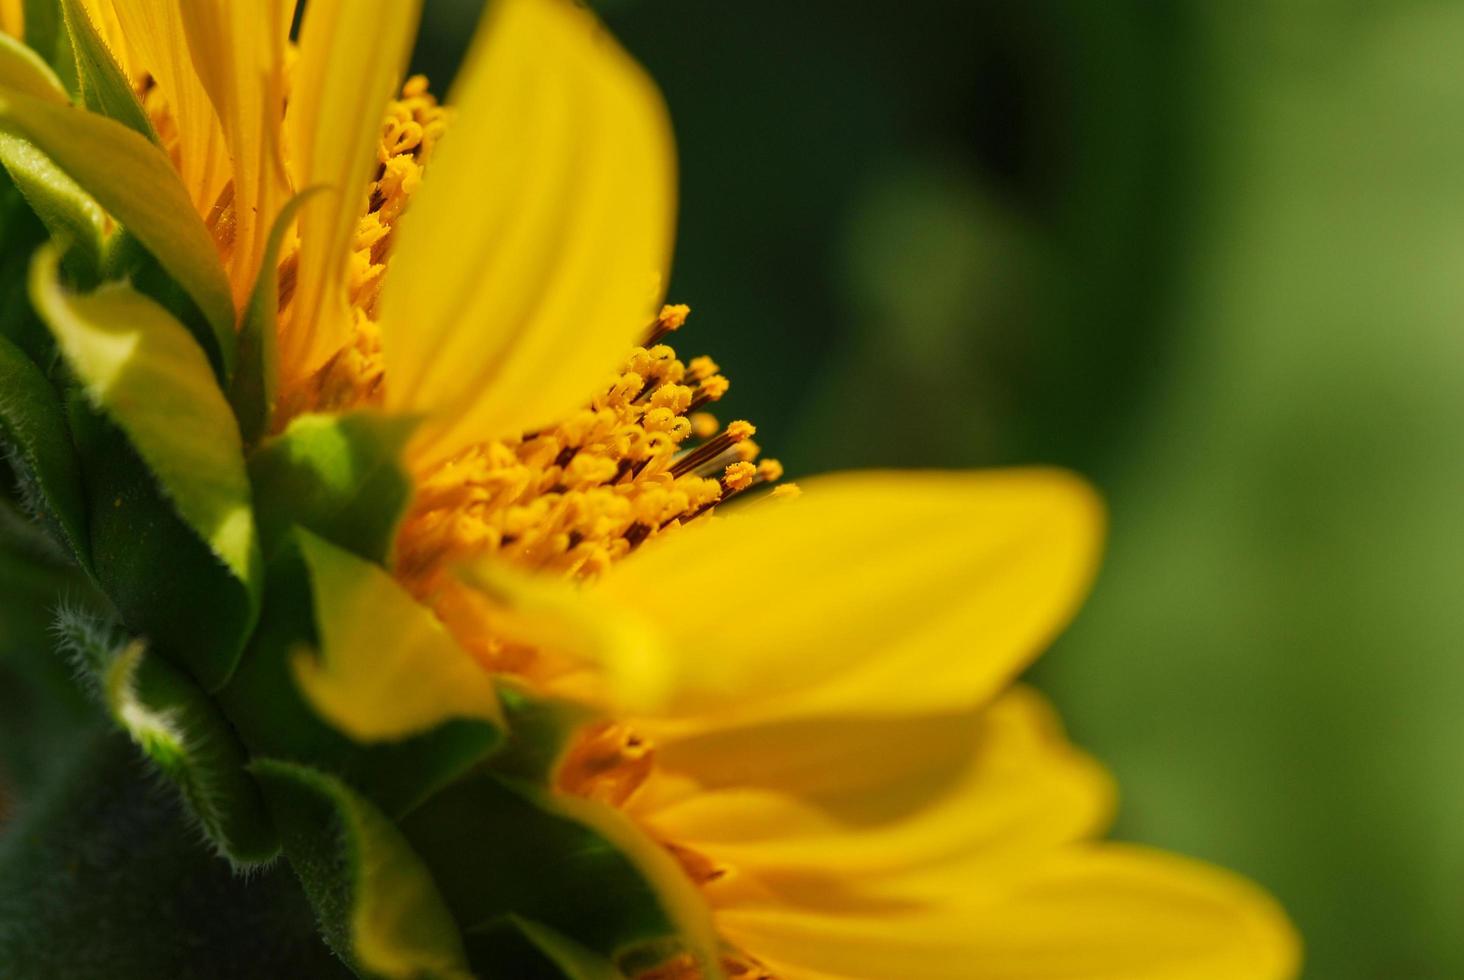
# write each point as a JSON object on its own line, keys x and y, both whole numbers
{"x": 387, "y": 666}
{"x": 256, "y": 376}
{"x": 136, "y": 183}
{"x": 180, "y": 730}
{"x": 378, "y": 907}
{"x": 271, "y": 715}
{"x": 144, "y": 370}
{"x": 33, "y": 424}
{"x": 104, "y": 86}
{"x": 501, "y": 849}
{"x": 340, "y": 476}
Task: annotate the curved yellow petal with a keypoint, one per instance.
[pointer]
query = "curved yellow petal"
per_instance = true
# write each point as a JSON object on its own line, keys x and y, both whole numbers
{"x": 387, "y": 668}
{"x": 531, "y": 258}
{"x": 872, "y": 594}
{"x": 238, "y": 52}
{"x": 862, "y": 798}
{"x": 1105, "y": 912}
{"x": 158, "y": 46}
{"x": 351, "y": 57}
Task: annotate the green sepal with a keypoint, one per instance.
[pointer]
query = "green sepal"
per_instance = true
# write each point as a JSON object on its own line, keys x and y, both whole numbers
{"x": 75, "y": 221}
{"x": 501, "y": 849}
{"x": 24, "y": 70}
{"x": 271, "y": 715}
{"x": 385, "y": 667}
{"x": 165, "y": 582}
{"x": 573, "y": 960}
{"x": 104, "y": 87}
{"x": 253, "y": 389}
{"x": 180, "y": 730}
{"x": 22, "y": 234}
{"x": 339, "y": 476}
{"x": 144, "y": 371}
{"x": 526, "y": 950}
{"x": 376, "y": 903}
{"x": 102, "y": 875}
{"x": 540, "y": 730}
{"x": 38, "y": 440}
{"x": 41, "y": 708}
{"x": 45, "y": 33}
{"x": 135, "y": 182}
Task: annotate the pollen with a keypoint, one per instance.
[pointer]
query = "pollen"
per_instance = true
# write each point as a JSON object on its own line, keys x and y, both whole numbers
{"x": 412, "y": 128}
{"x": 638, "y": 461}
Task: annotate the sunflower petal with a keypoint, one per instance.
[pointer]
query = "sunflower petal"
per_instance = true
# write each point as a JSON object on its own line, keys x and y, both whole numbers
{"x": 352, "y": 55}
{"x": 238, "y": 52}
{"x": 12, "y": 17}
{"x": 875, "y": 796}
{"x": 872, "y": 594}
{"x": 159, "y": 47}
{"x": 1105, "y": 912}
{"x": 557, "y": 180}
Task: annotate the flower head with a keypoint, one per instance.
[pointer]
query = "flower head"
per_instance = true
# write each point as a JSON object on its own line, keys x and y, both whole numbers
{"x": 467, "y": 513}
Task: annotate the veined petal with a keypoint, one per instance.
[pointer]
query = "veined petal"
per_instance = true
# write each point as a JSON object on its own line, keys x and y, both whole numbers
{"x": 238, "y": 52}
{"x": 158, "y": 46}
{"x": 794, "y": 803}
{"x": 872, "y": 594}
{"x": 557, "y": 183}
{"x": 352, "y": 55}
{"x": 1105, "y": 912}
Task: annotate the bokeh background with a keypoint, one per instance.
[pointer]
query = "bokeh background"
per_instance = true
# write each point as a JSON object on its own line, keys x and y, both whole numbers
{"x": 1210, "y": 254}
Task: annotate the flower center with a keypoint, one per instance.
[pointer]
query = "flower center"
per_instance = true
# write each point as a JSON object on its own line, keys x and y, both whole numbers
{"x": 640, "y": 460}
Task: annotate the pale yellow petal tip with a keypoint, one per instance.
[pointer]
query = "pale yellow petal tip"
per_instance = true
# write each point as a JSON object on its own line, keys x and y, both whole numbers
{"x": 1252, "y": 937}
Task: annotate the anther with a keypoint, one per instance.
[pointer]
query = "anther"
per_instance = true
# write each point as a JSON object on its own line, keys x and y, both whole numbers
{"x": 708, "y": 451}
{"x": 671, "y": 318}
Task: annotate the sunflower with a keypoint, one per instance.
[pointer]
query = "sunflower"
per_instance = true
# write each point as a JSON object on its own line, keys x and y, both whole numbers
{"x": 803, "y": 705}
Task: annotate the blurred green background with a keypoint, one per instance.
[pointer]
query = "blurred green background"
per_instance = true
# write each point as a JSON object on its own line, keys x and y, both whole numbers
{"x": 1210, "y": 254}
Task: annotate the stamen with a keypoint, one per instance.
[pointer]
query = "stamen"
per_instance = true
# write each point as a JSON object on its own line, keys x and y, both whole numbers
{"x": 608, "y": 764}
{"x": 670, "y": 319}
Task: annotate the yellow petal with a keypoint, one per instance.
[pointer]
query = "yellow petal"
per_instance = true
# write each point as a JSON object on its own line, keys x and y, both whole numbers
{"x": 12, "y": 17}
{"x": 872, "y": 594}
{"x": 352, "y": 55}
{"x": 1105, "y": 912}
{"x": 796, "y": 802}
{"x": 531, "y": 258}
{"x": 158, "y": 47}
{"x": 238, "y": 52}
{"x": 387, "y": 668}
